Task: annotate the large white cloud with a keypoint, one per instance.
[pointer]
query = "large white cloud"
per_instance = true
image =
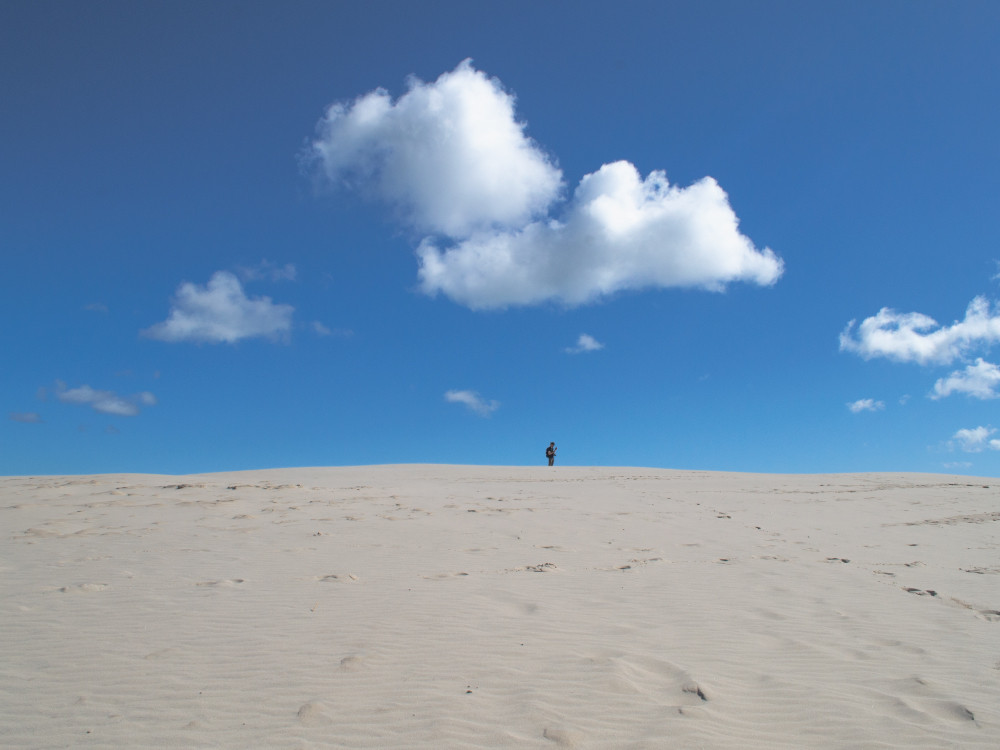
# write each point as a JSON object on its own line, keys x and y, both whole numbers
{"x": 449, "y": 155}
{"x": 620, "y": 232}
{"x": 915, "y": 337}
{"x": 453, "y": 160}
{"x": 979, "y": 380}
{"x": 220, "y": 311}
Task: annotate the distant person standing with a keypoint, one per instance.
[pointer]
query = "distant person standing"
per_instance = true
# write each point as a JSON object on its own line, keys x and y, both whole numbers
{"x": 550, "y": 453}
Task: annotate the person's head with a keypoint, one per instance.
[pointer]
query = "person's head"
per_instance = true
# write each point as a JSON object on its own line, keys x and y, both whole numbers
{"x": 553, "y": 442}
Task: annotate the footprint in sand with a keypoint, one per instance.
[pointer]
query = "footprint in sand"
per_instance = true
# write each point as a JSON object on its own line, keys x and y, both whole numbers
{"x": 954, "y": 711}
{"x": 163, "y": 653}
{"x": 224, "y": 583}
{"x": 84, "y": 588}
{"x": 540, "y": 568}
{"x": 920, "y": 699}
{"x": 694, "y": 688}
{"x": 645, "y": 560}
{"x": 338, "y": 578}
{"x": 313, "y": 715}
{"x": 635, "y": 563}
{"x": 990, "y": 615}
{"x": 351, "y": 663}
{"x": 562, "y": 737}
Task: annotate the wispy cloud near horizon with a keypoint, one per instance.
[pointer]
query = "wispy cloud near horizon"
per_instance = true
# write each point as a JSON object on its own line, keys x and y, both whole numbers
{"x": 104, "y": 402}
{"x": 919, "y": 339}
{"x": 976, "y": 439}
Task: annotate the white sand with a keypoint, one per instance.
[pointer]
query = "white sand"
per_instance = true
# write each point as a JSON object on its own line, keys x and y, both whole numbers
{"x": 454, "y": 606}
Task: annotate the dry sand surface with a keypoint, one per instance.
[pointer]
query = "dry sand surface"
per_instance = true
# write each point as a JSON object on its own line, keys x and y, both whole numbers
{"x": 458, "y": 606}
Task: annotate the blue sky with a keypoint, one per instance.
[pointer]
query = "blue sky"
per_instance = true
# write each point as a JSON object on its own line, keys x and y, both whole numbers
{"x": 699, "y": 235}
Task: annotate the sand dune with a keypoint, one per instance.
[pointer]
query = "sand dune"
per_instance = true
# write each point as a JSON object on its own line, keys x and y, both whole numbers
{"x": 456, "y": 606}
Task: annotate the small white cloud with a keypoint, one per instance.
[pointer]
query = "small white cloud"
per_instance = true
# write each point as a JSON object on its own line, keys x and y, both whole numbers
{"x": 220, "y": 311}
{"x": 975, "y": 440}
{"x": 979, "y": 381}
{"x": 82, "y": 395}
{"x": 585, "y": 343}
{"x": 26, "y": 417}
{"x": 915, "y": 337}
{"x": 104, "y": 402}
{"x": 117, "y": 406}
{"x": 322, "y": 330}
{"x": 96, "y": 307}
{"x": 958, "y": 465}
{"x": 266, "y": 270}
{"x": 866, "y": 404}
{"x": 473, "y": 401}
